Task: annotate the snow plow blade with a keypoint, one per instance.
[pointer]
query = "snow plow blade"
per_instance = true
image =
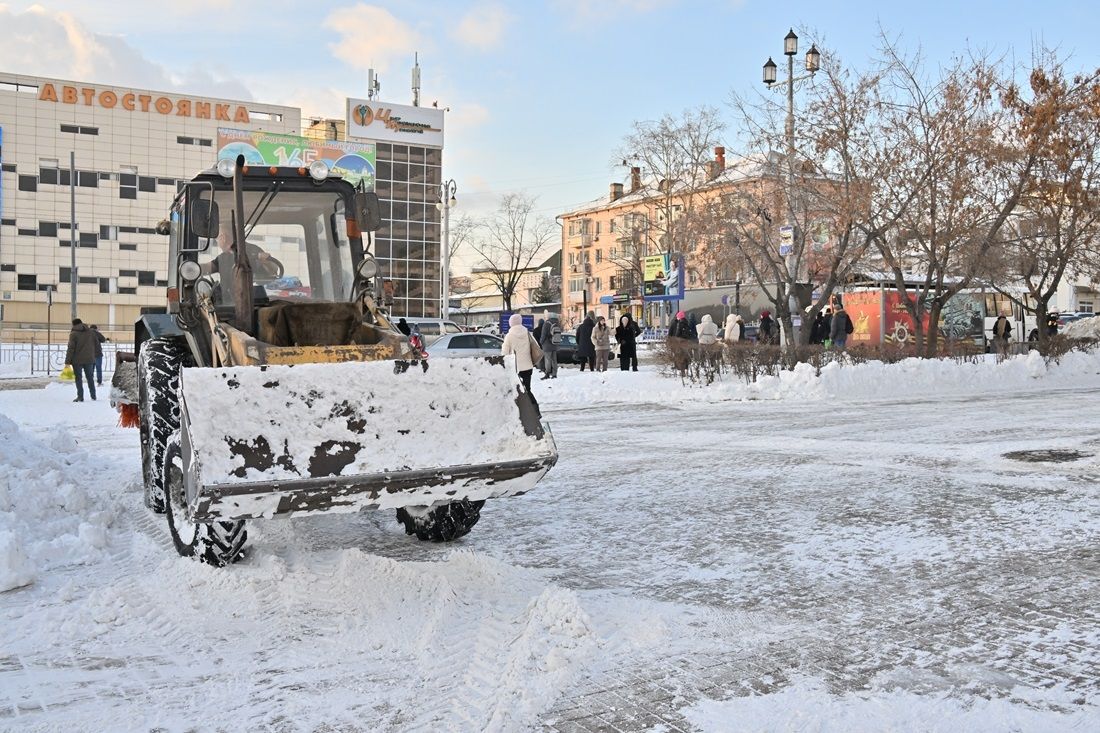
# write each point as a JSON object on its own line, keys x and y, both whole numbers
{"x": 316, "y": 438}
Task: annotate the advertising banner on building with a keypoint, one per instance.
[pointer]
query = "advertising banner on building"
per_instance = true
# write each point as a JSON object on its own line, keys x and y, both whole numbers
{"x": 371, "y": 119}
{"x": 879, "y": 316}
{"x": 663, "y": 277}
{"x": 352, "y": 161}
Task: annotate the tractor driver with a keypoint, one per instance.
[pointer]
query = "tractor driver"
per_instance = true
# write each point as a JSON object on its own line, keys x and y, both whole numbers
{"x": 222, "y": 264}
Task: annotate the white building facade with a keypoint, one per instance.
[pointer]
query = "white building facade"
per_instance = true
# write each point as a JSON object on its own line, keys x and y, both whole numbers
{"x": 133, "y": 149}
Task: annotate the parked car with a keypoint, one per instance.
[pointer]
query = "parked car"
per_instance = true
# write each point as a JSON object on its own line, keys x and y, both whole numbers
{"x": 460, "y": 345}
{"x": 567, "y": 349}
{"x": 431, "y": 329}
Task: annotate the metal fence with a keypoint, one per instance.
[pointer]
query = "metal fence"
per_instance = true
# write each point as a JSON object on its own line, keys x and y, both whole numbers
{"x": 34, "y": 359}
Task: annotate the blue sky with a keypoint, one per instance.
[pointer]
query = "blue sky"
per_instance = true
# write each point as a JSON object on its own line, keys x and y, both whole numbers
{"x": 541, "y": 94}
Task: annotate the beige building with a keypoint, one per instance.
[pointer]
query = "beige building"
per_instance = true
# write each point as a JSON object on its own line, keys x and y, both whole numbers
{"x": 133, "y": 148}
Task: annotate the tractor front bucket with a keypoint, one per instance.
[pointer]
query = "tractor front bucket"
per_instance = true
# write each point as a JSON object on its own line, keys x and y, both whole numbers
{"x": 286, "y": 440}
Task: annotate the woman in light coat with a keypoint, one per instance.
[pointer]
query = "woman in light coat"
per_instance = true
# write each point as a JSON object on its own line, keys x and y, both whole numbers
{"x": 518, "y": 341}
{"x": 601, "y": 339}
{"x": 732, "y": 334}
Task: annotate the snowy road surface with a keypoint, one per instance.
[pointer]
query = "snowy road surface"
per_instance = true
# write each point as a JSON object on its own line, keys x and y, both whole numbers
{"x": 794, "y": 562}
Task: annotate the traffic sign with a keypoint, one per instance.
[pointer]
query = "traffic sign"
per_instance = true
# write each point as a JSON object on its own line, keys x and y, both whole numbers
{"x": 725, "y": 300}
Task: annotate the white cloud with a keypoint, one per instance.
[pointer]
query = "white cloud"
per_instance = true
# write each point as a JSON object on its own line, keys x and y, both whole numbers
{"x": 482, "y": 27}
{"x": 588, "y": 11}
{"x": 42, "y": 42}
{"x": 466, "y": 116}
{"x": 370, "y": 36}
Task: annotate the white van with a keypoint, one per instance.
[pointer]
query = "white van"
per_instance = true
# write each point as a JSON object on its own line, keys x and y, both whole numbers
{"x": 430, "y": 329}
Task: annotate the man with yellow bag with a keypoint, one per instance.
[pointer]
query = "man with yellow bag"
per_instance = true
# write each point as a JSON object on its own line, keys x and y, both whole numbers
{"x": 81, "y": 355}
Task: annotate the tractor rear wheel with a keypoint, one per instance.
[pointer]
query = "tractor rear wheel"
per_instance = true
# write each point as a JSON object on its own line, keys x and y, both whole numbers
{"x": 217, "y": 543}
{"x": 441, "y": 523}
{"x": 158, "y": 372}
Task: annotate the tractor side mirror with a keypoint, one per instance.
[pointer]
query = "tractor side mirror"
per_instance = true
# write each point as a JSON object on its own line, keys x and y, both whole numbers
{"x": 204, "y": 218}
{"x": 367, "y": 215}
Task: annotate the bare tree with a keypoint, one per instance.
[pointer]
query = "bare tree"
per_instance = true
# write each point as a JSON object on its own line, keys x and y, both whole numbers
{"x": 459, "y": 234}
{"x": 1057, "y": 228}
{"x": 510, "y": 240}
{"x": 674, "y": 154}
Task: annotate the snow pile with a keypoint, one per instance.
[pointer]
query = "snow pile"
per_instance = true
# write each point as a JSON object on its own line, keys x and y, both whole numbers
{"x": 48, "y": 518}
{"x": 353, "y": 418}
{"x": 807, "y": 705}
{"x": 1083, "y": 328}
{"x": 870, "y": 380}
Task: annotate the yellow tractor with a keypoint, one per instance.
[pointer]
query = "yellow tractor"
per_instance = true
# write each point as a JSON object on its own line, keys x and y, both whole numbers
{"x": 273, "y": 383}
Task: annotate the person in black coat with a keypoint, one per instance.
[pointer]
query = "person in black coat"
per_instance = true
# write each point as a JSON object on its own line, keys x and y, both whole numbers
{"x": 767, "y": 333}
{"x": 626, "y": 336}
{"x": 819, "y": 331}
{"x": 586, "y": 351}
{"x": 403, "y": 327}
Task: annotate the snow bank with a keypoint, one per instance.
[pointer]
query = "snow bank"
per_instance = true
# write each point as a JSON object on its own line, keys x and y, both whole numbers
{"x": 872, "y": 380}
{"x": 1084, "y": 328}
{"x": 48, "y": 518}
{"x": 807, "y": 705}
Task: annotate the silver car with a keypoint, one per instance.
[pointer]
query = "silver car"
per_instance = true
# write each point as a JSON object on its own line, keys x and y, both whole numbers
{"x": 453, "y": 345}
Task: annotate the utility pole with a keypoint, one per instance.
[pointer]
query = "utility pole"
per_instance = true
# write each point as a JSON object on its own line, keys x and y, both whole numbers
{"x": 72, "y": 233}
{"x": 447, "y": 201}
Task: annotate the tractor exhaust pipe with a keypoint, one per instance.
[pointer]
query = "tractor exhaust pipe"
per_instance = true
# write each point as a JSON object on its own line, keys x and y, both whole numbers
{"x": 242, "y": 267}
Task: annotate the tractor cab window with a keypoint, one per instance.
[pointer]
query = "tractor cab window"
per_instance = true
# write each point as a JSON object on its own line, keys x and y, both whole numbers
{"x": 297, "y": 246}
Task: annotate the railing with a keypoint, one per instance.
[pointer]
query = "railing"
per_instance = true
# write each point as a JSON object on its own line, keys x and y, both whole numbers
{"x": 25, "y": 360}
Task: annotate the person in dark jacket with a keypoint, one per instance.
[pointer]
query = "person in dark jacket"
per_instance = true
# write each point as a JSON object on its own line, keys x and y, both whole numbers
{"x": 818, "y": 334}
{"x": 538, "y": 333}
{"x": 768, "y": 333}
{"x": 841, "y": 327}
{"x": 550, "y": 343}
{"x": 626, "y": 336}
{"x": 1002, "y": 334}
{"x": 586, "y": 352}
{"x": 99, "y": 339}
{"x": 403, "y": 327}
{"x": 80, "y": 354}
{"x": 679, "y": 341}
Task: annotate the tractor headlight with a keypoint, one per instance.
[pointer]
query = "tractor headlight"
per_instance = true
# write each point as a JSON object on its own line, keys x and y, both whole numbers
{"x": 318, "y": 170}
{"x": 226, "y": 167}
{"x": 368, "y": 268}
{"x": 190, "y": 271}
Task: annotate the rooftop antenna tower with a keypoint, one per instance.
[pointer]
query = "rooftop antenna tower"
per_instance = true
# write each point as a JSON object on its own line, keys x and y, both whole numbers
{"x": 416, "y": 80}
{"x": 374, "y": 85}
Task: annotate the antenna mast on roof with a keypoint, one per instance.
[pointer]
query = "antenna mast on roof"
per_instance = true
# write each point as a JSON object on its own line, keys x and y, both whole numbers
{"x": 416, "y": 80}
{"x": 374, "y": 85}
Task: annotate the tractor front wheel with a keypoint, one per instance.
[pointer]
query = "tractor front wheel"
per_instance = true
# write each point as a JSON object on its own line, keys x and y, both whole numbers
{"x": 216, "y": 543}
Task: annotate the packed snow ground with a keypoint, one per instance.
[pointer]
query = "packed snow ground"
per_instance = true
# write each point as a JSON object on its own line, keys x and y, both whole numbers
{"x": 835, "y": 553}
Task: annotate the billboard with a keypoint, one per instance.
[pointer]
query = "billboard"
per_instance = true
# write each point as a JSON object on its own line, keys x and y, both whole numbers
{"x": 663, "y": 277}
{"x": 395, "y": 123}
{"x": 880, "y": 316}
{"x": 352, "y": 161}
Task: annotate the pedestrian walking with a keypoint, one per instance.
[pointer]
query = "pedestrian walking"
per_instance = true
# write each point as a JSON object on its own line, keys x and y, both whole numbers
{"x": 818, "y": 332}
{"x": 586, "y": 352}
{"x": 551, "y": 342}
{"x": 601, "y": 341}
{"x": 99, "y": 339}
{"x": 731, "y": 333}
{"x": 80, "y": 355}
{"x": 767, "y": 333}
{"x": 626, "y": 336}
{"x": 680, "y": 339}
{"x": 1002, "y": 334}
{"x": 519, "y": 341}
{"x": 841, "y": 327}
{"x": 538, "y": 334}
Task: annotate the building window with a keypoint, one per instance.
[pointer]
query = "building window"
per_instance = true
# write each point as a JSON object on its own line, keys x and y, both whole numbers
{"x": 108, "y": 232}
{"x": 28, "y": 183}
{"x": 88, "y": 239}
{"x": 7, "y": 222}
{"x": 185, "y": 140}
{"x": 27, "y": 282}
{"x": 80, "y": 130}
{"x": 47, "y": 175}
{"x": 127, "y": 291}
{"x": 1085, "y": 306}
{"x": 599, "y": 255}
{"x": 128, "y": 247}
{"x": 87, "y": 179}
{"x": 146, "y": 277}
{"x": 64, "y": 274}
{"x": 147, "y": 185}
{"x": 127, "y": 192}
{"x": 104, "y": 284}
{"x": 611, "y": 283}
{"x": 27, "y": 232}
{"x": 8, "y": 167}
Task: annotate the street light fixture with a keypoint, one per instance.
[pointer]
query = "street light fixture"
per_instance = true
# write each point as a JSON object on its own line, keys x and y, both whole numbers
{"x": 813, "y": 63}
{"x": 447, "y": 201}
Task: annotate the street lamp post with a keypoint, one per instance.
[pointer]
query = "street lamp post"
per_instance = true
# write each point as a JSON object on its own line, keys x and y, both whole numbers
{"x": 813, "y": 63}
{"x": 446, "y": 202}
